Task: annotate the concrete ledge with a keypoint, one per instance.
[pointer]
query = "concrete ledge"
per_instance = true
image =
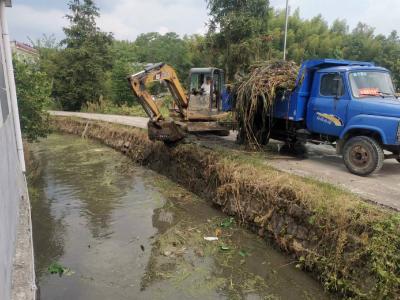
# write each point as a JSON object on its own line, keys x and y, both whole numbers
{"x": 23, "y": 277}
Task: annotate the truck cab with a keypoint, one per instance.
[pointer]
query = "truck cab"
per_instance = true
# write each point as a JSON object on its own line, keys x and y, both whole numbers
{"x": 351, "y": 104}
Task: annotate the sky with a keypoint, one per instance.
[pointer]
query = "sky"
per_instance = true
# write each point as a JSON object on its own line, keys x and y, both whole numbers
{"x": 128, "y": 18}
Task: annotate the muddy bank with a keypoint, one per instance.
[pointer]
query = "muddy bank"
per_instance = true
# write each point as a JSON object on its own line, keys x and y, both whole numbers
{"x": 351, "y": 246}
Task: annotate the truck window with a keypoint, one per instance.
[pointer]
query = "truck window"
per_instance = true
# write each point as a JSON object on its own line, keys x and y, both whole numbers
{"x": 329, "y": 85}
{"x": 371, "y": 84}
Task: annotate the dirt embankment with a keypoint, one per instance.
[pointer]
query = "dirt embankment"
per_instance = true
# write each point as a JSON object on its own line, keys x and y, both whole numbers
{"x": 351, "y": 246}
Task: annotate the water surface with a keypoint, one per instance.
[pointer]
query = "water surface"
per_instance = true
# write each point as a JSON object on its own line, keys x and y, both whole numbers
{"x": 128, "y": 233}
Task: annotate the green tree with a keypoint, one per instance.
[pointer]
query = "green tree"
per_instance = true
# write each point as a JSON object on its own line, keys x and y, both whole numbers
{"x": 199, "y": 54}
{"x": 390, "y": 55}
{"x": 33, "y": 93}
{"x": 361, "y": 44}
{"x": 124, "y": 65}
{"x": 238, "y": 32}
{"x": 168, "y": 48}
{"x": 83, "y": 64}
{"x": 48, "y": 48}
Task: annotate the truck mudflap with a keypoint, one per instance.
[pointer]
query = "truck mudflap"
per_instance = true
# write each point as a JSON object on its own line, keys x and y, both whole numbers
{"x": 166, "y": 131}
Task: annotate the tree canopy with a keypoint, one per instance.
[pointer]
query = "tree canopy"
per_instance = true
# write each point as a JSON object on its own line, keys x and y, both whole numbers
{"x": 85, "y": 60}
{"x": 89, "y": 63}
{"x": 33, "y": 93}
{"x": 237, "y": 32}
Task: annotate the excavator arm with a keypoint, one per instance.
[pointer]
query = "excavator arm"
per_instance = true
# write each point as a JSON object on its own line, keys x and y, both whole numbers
{"x": 159, "y": 128}
{"x": 158, "y": 72}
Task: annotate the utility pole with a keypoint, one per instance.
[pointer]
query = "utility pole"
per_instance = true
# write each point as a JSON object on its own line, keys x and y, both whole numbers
{"x": 286, "y": 29}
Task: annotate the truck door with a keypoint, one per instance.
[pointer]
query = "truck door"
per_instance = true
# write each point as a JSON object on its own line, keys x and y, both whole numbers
{"x": 327, "y": 108}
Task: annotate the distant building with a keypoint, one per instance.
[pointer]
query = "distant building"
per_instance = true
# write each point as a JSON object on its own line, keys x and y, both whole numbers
{"x": 24, "y": 51}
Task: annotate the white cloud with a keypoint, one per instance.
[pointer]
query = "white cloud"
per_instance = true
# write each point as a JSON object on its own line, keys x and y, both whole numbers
{"x": 383, "y": 15}
{"x": 129, "y": 18}
{"x": 201, "y": 30}
{"x": 125, "y": 18}
{"x": 163, "y": 30}
{"x": 25, "y": 21}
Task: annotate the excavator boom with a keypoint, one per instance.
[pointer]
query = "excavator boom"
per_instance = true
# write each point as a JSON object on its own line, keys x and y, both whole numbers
{"x": 158, "y": 72}
{"x": 158, "y": 127}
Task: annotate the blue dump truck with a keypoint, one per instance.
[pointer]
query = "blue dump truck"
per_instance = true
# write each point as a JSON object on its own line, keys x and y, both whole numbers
{"x": 349, "y": 104}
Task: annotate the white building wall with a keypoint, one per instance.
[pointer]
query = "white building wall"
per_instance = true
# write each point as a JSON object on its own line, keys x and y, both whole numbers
{"x": 12, "y": 188}
{"x": 12, "y": 178}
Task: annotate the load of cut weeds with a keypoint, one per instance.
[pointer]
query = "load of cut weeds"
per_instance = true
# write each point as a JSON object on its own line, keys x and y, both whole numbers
{"x": 256, "y": 94}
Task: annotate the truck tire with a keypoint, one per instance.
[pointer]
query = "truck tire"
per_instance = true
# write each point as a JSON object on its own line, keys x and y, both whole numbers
{"x": 363, "y": 155}
{"x": 296, "y": 148}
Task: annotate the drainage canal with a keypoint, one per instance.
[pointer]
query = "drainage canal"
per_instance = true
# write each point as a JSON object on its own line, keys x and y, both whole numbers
{"x": 110, "y": 229}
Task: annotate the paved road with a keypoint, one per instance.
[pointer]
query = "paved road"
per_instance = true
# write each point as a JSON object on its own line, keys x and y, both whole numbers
{"x": 139, "y": 122}
{"x": 322, "y": 163}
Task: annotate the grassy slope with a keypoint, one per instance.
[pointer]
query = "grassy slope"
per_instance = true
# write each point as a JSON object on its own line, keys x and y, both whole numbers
{"x": 358, "y": 243}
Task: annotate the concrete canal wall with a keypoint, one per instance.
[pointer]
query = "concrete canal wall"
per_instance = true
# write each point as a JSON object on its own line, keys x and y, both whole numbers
{"x": 16, "y": 253}
{"x": 12, "y": 188}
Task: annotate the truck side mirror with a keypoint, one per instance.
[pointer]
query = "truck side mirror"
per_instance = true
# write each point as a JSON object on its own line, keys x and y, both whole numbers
{"x": 339, "y": 86}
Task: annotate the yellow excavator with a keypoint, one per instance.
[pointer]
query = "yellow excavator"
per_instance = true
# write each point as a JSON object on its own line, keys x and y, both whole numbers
{"x": 198, "y": 112}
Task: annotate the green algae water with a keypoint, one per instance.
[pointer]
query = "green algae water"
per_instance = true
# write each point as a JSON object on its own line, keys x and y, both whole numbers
{"x": 119, "y": 231}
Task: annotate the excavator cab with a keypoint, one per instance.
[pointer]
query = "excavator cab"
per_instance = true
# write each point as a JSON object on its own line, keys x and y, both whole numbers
{"x": 202, "y": 102}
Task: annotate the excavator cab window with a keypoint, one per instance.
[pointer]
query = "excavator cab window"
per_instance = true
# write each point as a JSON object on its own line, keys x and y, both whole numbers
{"x": 218, "y": 85}
{"x": 199, "y": 101}
{"x": 196, "y": 82}
{"x": 206, "y": 102}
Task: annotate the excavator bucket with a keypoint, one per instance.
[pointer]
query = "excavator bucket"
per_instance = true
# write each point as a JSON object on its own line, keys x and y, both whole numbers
{"x": 166, "y": 131}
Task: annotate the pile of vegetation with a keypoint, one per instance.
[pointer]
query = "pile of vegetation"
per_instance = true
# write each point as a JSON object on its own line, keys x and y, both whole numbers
{"x": 255, "y": 97}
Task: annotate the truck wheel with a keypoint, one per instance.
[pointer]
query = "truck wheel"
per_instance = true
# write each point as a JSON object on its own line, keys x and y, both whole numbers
{"x": 362, "y": 155}
{"x": 300, "y": 148}
{"x": 296, "y": 148}
{"x": 241, "y": 137}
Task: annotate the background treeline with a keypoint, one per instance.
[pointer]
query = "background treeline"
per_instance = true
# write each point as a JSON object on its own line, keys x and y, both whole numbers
{"x": 90, "y": 67}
